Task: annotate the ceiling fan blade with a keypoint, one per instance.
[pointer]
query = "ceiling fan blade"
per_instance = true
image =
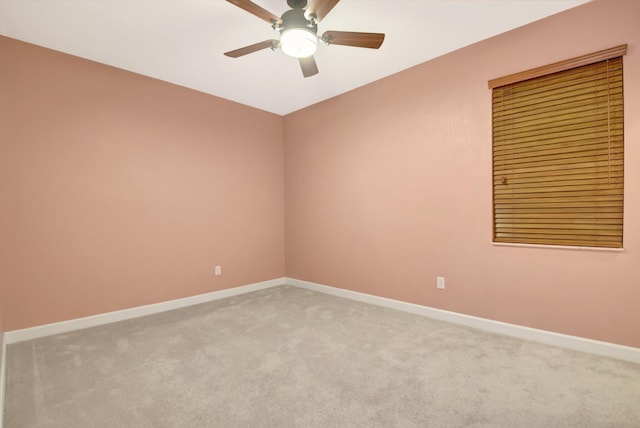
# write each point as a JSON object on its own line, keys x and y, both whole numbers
{"x": 308, "y": 65}
{"x": 349, "y": 38}
{"x": 252, "y": 48}
{"x": 320, "y": 8}
{"x": 256, "y": 10}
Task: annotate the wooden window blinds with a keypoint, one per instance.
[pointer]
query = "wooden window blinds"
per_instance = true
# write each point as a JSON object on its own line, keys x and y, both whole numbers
{"x": 558, "y": 151}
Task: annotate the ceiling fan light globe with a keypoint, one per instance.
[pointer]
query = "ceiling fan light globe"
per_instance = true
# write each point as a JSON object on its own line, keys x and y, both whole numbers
{"x": 298, "y": 42}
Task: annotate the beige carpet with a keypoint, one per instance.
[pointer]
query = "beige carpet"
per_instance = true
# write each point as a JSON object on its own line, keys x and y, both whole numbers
{"x": 288, "y": 357}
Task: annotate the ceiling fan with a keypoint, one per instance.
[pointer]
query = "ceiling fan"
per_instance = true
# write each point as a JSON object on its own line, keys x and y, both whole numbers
{"x": 298, "y": 28}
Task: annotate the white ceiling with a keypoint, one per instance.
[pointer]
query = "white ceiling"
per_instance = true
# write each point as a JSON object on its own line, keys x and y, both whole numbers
{"x": 183, "y": 41}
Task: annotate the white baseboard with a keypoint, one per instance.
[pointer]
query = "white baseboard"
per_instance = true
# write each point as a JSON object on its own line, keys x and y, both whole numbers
{"x": 3, "y": 369}
{"x": 606, "y": 349}
{"x": 124, "y": 314}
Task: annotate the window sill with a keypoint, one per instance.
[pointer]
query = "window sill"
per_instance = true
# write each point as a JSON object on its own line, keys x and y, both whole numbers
{"x": 558, "y": 247}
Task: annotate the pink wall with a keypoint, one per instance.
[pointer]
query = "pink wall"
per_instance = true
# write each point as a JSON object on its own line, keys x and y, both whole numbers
{"x": 120, "y": 190}
{"x": 393, "y": 187}
{"x": 126, "y": 191}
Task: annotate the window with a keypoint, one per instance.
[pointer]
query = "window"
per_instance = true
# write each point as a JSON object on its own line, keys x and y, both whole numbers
{"x": 558, "y": 153}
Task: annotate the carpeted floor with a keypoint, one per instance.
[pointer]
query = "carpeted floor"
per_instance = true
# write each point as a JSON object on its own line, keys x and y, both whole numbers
{"x": 288, "y": 357}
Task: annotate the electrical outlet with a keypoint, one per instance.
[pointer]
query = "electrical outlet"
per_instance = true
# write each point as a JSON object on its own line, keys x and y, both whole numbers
{"x": 218, "y": 271}
{"x": 440, "y": 282}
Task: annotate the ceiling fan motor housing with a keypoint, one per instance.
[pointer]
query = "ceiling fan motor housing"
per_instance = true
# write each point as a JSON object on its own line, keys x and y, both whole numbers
{"x": 295, "y": 18}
